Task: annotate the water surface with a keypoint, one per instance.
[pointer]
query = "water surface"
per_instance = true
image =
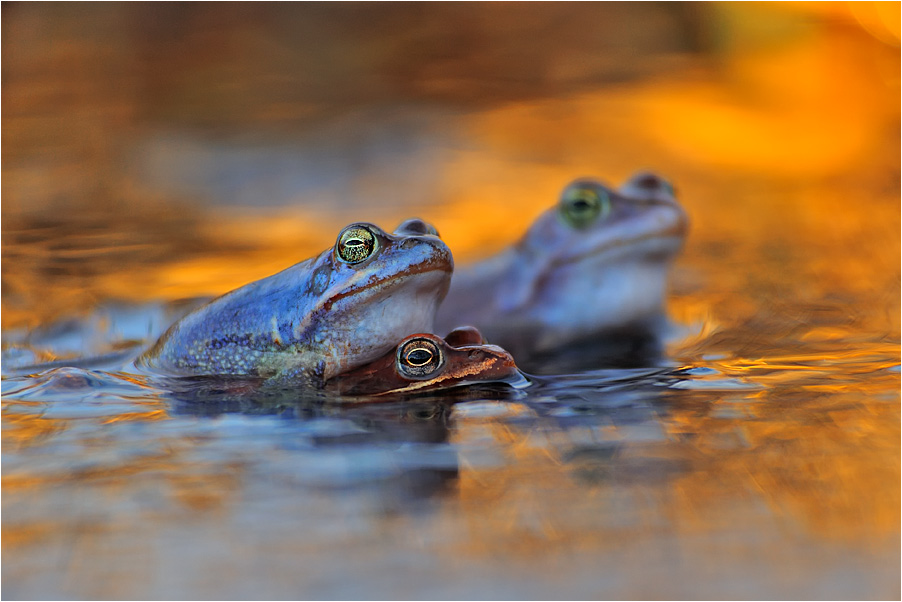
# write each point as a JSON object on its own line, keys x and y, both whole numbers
{"x": 759, "y": 459}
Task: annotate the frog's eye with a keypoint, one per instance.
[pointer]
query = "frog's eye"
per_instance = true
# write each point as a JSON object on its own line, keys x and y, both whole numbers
{"x": 581, "y": 205}
{"x": 419, "y": 358}
{"x": 356, "y": 243}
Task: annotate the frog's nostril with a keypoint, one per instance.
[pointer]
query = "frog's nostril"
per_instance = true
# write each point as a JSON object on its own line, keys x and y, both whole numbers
{"x": 649, "y": 182}
{"x": 416, "y": 227}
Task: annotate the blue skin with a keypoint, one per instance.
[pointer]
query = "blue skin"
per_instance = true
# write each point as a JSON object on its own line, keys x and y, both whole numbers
{"x": 599, "y": 279}
{"x": 318, "y": 318}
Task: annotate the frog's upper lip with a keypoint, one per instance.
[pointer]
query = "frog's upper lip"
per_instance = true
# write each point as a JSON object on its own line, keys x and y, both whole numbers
{"x": 442, "y": 260}
{"x": 420, "y": 268}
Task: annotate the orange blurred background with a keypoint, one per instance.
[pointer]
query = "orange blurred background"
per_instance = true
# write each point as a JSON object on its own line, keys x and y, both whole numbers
{"x": 124, "y": 124}
{"x": 155, "y": 151}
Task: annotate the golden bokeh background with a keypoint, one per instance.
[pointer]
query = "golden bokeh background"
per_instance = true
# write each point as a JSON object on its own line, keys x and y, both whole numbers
{"x": 161, "y": 151}
{"x": 293, "y": 120}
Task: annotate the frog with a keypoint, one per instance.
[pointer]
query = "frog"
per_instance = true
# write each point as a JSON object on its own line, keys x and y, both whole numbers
{"x": 426, "y": 362}
{"x": 593, "y": 269}
{"x": 331, "y": 313}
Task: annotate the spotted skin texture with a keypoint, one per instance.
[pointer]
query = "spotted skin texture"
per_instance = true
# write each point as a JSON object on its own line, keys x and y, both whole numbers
{"x": 601, "y": 280}
{"x": 315, "y": 319}
{"x": 469, "y": 360}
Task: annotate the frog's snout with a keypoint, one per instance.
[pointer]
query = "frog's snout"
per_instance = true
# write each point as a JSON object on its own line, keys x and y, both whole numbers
{"x": 439, "y": 250}
{"x": 649, "y": 182}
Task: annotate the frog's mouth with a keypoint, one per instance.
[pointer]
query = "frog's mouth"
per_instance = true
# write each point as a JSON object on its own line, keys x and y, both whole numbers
{"x": 386, "y": 284}
{"x": 656, "y": 235}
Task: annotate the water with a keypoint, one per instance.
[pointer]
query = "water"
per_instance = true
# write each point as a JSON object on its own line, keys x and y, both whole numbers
{"x": 759, "y": 460}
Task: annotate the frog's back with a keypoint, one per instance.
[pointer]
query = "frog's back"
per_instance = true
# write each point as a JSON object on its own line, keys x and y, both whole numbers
{"x": 247, "y": 331}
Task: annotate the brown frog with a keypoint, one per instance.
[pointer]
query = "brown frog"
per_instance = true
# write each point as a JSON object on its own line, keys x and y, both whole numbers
{"x": 425, "y": 362}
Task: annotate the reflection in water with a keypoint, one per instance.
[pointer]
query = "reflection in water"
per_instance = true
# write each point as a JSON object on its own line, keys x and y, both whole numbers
{"x": 763, "y": 461}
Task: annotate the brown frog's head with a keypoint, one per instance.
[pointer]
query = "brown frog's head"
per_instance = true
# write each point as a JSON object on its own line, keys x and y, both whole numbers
{"x": 426, "y": 362}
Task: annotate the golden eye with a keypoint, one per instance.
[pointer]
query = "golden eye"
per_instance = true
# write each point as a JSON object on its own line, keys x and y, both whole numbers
{"x": 419, "y": 358}
{"x": 355, "y": 244}
{"x": 581, "y": 205}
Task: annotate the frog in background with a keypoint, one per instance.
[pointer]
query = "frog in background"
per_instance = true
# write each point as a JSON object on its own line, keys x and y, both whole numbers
{"x": 587, "y": 281}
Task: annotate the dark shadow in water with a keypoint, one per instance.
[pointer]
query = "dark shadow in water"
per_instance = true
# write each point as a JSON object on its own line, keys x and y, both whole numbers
{"x": 628, "y": 347}
{"x": 630, "y": 400}
{"x": 415, "y": 424}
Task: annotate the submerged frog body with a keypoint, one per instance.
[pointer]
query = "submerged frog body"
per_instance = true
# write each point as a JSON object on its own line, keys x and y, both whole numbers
{"x": 425, "y": 362}
{"x": 592, "y": 269}
{"x": 331, "y": 313}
